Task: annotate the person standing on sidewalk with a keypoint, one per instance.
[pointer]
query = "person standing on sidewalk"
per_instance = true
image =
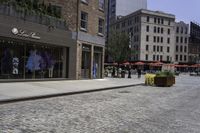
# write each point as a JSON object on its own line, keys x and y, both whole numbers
{"x": 139, "y": 72}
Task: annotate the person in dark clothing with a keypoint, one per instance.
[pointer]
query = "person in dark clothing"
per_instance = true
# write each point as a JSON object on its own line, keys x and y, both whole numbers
{"x": 113, "y": 72}
{"x": 139, "y": 72}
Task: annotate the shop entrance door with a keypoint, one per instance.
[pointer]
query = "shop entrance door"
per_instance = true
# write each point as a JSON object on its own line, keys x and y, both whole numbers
{"x": 86, "y": 62}
{"x": 97, "y": 65}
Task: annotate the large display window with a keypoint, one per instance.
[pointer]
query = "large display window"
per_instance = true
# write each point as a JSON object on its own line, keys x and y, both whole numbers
{"x": 28, "y": 60}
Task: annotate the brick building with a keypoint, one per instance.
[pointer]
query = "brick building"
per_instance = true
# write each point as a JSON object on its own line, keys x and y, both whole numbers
{"x": 51, "y": 39}
{"x": 86, "y": 20}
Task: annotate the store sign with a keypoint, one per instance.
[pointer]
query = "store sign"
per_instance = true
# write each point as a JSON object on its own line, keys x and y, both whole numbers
{"x": 24, "y": 33}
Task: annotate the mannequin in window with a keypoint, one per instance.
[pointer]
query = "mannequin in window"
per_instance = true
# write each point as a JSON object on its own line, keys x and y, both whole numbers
{"x": 34, "y": 60}
{"x": 15, "y": 62}
{"x": 50, "y": 64}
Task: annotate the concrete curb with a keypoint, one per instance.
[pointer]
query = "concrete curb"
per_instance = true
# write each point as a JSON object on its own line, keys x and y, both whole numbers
{"x": 21, "y": 99}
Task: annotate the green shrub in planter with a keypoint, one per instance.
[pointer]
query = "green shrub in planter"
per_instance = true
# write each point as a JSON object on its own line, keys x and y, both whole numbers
{"x": 164, "y": 79}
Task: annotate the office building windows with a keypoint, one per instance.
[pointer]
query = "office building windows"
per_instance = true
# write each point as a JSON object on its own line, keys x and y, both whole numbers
{"x": 186, "y": 40}
{"x": 147, "y": 47}
{"x": 176, "y": 48}
{"x": 181, "y": 30}
{"x": 167, "y": 58}
{"x": 154, "y": 48}
{"x": 157, "y": 57}
{"x": 147, "y": 38}
{"x": 181, "y": 39}
{"x": 185, "y": 49}
{"x": 186, "y": 30}
{"x": 162, "y": 21}
{"x": 154, "y": 57}
{"x": 161, "y": 30}
{"x": 154, "y": 29}
{"x": 181, "y": 57}
{"x": 185, "y": 58}
{"x": 147, "y": 57}
{"x": 169, "y": 22}
{"x": 161, "y": 39}
{"x": 181, "y": 48}
{"x": 158, "y": 49}
{"x": 147, "y": 18}
{"x": 168, "y": 31}
{"x": 177, "y": 29}
{"x": 158, "y": 39}
{"x": 177, "y": 39}
{"x": 161, "y": 57}
{"x": 154, "y": 39}
{"x": 147, "y": 28}
{"x": 158, "y": 30}
{"x": 158, "y": 20}
{"x": 168, "y": 49}
{"x": 176, "y": 57}
{"x": 168, "y": 40}
{"x": 161, "y": 48}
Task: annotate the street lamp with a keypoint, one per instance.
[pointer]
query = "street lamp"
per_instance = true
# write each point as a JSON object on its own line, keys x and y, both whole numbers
{"x": 129, "y": 69}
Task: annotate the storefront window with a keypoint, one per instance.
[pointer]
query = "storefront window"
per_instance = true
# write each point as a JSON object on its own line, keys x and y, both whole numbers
{"x": 22, "y": 60}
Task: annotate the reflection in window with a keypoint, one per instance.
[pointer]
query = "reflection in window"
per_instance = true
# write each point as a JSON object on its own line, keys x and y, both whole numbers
{"x": 21, "y": 60}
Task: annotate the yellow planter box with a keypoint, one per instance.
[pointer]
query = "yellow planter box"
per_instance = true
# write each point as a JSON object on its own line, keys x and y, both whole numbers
{"x": 149, "y": 79}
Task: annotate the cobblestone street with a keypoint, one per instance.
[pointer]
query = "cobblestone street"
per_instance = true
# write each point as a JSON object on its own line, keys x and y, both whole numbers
{"x": 140, "y": 109}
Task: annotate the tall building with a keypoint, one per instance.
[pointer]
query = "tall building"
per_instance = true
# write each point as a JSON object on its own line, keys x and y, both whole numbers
{"x": 64, "y": 40}
{"x": 151, "y": 33}
{"x": 123, "y": 8}
{"x": 181, "y": 42}
{"x": 194, "y": 43}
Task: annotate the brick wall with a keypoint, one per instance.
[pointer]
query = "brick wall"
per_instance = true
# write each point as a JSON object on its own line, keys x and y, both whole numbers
{"x": 69, "y": 11}
{"x": 92, "y": 8}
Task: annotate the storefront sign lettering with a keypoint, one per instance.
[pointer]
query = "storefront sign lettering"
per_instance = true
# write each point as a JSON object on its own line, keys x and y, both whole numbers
{"x": 24, "y": 33}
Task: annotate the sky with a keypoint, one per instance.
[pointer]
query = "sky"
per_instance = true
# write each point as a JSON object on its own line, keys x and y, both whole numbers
{"x": 184, "y": 10}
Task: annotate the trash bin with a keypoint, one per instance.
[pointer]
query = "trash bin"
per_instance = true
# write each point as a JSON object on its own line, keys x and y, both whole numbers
{"x": 123, "y": 74}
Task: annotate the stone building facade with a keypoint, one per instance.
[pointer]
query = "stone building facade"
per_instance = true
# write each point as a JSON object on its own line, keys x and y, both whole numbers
{"x": 151, "y": 35}
{"x": 181, "y": 42}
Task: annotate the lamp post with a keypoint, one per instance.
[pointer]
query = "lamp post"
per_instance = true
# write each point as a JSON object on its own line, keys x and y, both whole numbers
{"x": 129, "y": 68}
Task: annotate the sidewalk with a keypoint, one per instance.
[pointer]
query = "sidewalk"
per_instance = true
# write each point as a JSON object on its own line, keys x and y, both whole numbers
{"x": 19, "y": 91}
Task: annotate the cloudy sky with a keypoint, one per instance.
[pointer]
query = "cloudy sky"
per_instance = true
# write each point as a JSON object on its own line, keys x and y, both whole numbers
{"x": 185, "y": 10}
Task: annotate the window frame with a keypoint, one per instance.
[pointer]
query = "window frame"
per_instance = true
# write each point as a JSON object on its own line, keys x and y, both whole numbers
{"x": 84, "y": 21}
{"x": 101, "y": 26}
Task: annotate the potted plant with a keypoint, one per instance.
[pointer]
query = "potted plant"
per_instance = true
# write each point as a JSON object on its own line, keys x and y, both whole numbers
{"x": 164, "y": 79}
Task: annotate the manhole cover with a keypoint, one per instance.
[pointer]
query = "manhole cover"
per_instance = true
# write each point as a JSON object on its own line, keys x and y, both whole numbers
{"x": 124, "y": 92}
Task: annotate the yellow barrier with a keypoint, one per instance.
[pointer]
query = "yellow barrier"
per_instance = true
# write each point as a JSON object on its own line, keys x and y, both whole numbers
{"x": 149, "y": 79}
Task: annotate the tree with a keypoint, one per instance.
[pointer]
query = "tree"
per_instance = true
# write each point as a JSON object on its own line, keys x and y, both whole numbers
{"x": 118, "y": 46}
